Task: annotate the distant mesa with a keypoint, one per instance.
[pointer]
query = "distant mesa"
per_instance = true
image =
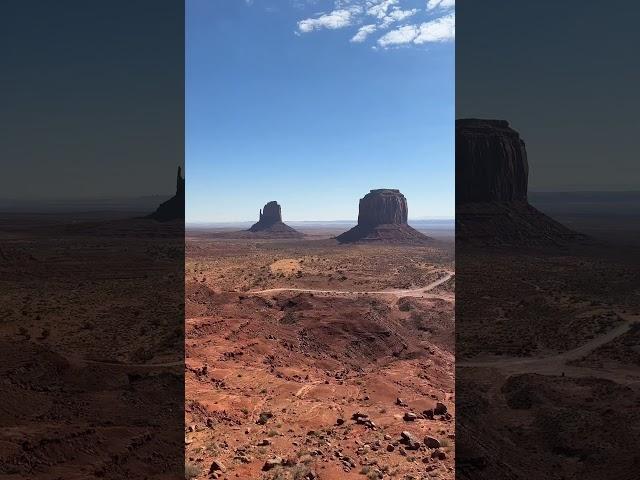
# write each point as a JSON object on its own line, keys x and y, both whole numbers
{"x": 382, "y": 217}
{"x": 491, "y": 189}
{"x": 270, "y": 223}
{"x": 172, "y": 209}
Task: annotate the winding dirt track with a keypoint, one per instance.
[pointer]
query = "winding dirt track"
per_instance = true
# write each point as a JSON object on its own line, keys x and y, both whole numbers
{"x": 414, "y": 292}
{"x": 556, "y": 364}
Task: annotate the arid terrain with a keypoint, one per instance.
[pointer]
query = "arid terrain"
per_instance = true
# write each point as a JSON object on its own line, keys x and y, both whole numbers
{"x": 91, "y": 342}
{"x": 307, "y": 359}
{"x": 548, "y": 366}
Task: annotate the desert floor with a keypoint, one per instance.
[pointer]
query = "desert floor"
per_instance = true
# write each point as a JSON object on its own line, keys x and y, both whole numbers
{"x": 309, "y": 359}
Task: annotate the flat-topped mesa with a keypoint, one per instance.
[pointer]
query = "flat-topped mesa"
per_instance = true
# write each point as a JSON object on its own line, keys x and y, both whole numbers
{"x": 383, "y": 207}
{"x": 491, "y": 162}
{"x": 491, "y": 190}
{"x": 382, "y": 217}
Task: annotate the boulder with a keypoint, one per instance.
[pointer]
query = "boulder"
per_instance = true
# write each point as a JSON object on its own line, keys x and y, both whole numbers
{"x": 431, "y": 442}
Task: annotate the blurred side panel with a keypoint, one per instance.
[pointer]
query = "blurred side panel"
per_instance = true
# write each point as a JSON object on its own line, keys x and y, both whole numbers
{"x": 92, "y": 239}
{"x": 547, "y": 240}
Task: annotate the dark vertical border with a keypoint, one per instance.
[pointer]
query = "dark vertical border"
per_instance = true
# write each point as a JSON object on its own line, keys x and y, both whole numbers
{"x": 92, "y": 239}
{"x": 547, "y": 305}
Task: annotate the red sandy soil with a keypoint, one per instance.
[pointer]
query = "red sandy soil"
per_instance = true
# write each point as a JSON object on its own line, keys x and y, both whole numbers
{"x": 279, "y": 374}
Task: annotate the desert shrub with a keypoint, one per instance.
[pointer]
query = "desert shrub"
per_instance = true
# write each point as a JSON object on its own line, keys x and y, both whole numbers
{"x": 301, "y": 472}
{"x": 191, "y": 470}
{"x": 289, "y": 318}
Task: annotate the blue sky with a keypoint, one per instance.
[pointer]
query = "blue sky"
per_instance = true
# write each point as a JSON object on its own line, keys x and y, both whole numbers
{"x": 314, "y": 103}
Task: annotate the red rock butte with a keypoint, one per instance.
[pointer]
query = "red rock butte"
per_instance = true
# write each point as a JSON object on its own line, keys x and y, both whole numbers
{"x": 491, "y": 189}
{"x": 382, "y": 217}
{"x": 270, "y": 223}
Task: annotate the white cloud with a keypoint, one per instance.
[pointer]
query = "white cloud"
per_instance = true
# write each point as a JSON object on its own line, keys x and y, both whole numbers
{"x": 367, "y": 17}
{"x": 433, "y": 4}
{"x": 337, "y": 19}
{"x": 379, "y": 8}
{"x": 439, "y": 30}
{"x": 363, "y": 33}
{"x": 397, "y": 15}
{"x": 399, "y": 36}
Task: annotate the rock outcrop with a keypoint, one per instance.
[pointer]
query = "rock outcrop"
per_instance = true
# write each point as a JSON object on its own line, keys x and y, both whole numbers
{"x": 382, "y": 217}
{"x": 172, "y": 209}
{"x": 491, "y": 189}
{"x": 270, "y": 224}
{"x": 270, "y": 214}
{"x": 494, "y": 161}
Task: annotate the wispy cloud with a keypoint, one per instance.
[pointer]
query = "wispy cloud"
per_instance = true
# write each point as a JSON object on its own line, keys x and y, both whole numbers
{"x": 391, "y": 22}
{"x": 399, "y": 36}
{"x": 433, "y": 4}
{"x": 341, "y": 18}
{"x": 438, "y": 30}
{"x": 363, "y": 33}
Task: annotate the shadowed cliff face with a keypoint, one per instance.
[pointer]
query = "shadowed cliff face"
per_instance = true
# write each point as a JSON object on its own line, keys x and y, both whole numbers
{"x": 491, "y": 162}
{"x": 382, "y": 207}
{"x": 270, "y": 214}
{"x": 382, "y": 217}
{"x": 491, "y": 190}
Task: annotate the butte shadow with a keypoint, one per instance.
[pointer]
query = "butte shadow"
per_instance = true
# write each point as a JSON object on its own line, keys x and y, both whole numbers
{"x": 382, "y": 218}
{"x": 492, "y": 172}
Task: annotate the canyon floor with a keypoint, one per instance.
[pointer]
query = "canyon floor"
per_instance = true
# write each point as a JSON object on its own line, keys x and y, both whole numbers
{"x": 306, "y": 359}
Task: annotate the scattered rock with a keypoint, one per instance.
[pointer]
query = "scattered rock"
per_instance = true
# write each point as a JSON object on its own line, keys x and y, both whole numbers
{"x": 440, "y": 409}
{"x": 272, "y": 463}
{"x": 217, "y": 466}
{"x": 410, "y": 442}
{"x": 431, "y": 442}
{"x": 439, "y": 454}
{"x": 264, "y": 418}
{"x": 410, "y": 417}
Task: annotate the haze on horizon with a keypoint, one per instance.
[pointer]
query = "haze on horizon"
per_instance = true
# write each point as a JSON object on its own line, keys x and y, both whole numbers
{"x": 293, "y": 101}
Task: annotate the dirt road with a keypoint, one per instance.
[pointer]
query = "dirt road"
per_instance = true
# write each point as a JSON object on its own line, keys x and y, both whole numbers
{"x": 556, "y": 364}
{"x": 414, "y": 292}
